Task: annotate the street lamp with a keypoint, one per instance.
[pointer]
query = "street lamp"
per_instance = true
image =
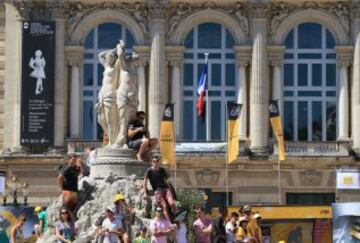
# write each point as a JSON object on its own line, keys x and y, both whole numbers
{"x": 14, "y": 188}
{"x": 26, "y": 192}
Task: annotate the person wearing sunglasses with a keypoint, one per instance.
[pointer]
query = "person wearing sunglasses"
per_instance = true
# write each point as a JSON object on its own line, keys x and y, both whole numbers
{"x": 139, "y": 137}
{"x": 65, "y": 229}
{"x": 160, "y": 227}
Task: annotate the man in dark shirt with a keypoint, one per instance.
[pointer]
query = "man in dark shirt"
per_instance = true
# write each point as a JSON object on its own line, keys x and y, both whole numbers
{"x": 158, "y": 180}
{"x": 219, "y": 226}
{"x": 139, "y": 137}
{"x": 68, "y": 182}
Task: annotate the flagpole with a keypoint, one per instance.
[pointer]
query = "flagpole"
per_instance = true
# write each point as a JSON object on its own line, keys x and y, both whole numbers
{"x": 227, "y": 157}
{"x": 279, "y": 181}
{"x": 206, "y": 54}
{"x": 175, "y": 174}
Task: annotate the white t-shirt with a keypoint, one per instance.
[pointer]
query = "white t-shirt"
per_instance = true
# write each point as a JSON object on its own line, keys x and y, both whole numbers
{"x": 229, "y": 228}
{"x": 112, "y": 226}
{"x": 181, "y": 234}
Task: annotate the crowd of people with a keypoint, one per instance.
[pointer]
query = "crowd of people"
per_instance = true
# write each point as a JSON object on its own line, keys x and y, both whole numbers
{"x": 168, "y": 223}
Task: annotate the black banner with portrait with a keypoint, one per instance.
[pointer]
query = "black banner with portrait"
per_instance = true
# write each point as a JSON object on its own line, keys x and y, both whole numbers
{"x": 37, "y": 86}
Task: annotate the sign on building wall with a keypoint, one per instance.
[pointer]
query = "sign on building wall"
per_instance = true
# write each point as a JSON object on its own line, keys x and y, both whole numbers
{"x": 37, "y": 86}
{"x": 347, "y": 179}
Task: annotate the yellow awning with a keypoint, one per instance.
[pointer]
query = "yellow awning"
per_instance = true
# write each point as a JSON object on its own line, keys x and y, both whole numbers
{"x": 290, "y": 212}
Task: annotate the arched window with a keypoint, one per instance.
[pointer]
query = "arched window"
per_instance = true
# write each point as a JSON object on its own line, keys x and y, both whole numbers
{"x": 310, "y": 84}
{"x": 103, "y": 37}
{"x": 216, "y": 40}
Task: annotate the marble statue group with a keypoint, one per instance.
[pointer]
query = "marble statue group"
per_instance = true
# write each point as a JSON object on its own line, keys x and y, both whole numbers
{"x": 117, "y": 102}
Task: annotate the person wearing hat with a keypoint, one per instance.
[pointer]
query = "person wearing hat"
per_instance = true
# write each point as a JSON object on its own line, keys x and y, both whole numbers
{"x": 160, "y": 227}
{"x": 257, "y": 219}
{"x": 253, "y": 230}
{"x": 202, "y": 226}
{"x": 112, "y": 228}
{"x": 42, "y": 226}
{"x": 123, "y": 213}
{"x": 242, "y": 231}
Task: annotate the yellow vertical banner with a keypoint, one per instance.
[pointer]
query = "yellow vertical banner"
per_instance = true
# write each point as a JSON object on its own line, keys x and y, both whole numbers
{"x": 167, "y": 137}
{"x": 275, "y": 121}
{"x": 233, "y": 123}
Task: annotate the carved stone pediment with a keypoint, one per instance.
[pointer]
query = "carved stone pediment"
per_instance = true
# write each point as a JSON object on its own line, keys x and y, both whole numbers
{"x": 310, "y": 178}
{"x": 279, "y": 11}
{"x": 207, "y": 177}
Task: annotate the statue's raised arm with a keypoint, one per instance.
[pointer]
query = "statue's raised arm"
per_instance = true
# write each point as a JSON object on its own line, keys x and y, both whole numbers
{"x": 106, "y": 105}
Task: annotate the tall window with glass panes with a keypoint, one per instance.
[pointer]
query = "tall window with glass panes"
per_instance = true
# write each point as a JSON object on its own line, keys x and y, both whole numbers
{"x": 310, "y": 84}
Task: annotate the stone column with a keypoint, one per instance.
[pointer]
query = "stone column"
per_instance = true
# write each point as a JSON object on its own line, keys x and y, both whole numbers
{"x": 158, "y": 85}
{"x": 75, "y": 57}
{"x": 144, "y": 56}
{"x": 12, "y": 84}
{"x": 175, "y": 55}
{"x": 243, "y": 58}
{"x": 259, "y": 87}
{"x": 276, "y": 60}
{"x": 355, "y": 94}
{"x": 60, "y": 78}
{"x": 140, "y": 65}
{"x": 344, "y": 55}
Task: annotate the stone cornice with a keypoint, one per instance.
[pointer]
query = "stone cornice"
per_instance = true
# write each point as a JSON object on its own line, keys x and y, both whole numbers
{"x": 175, "y": 54}
{"x": 74, "y": 55}
{"x": 276, "y": 55}
{"x": 144, "y": 55}
{"x": 344, "y": 55}
{"x": 243, "y": 55}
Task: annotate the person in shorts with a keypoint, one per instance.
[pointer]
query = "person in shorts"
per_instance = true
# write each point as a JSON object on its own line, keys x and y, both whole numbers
{"x": 139, "y": 138}
{"x": 68, "y": 182}
{"x": 158, "y": 180}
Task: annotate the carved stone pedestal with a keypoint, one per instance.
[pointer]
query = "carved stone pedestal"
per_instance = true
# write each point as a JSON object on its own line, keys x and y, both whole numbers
{"x": 120, "y": 162}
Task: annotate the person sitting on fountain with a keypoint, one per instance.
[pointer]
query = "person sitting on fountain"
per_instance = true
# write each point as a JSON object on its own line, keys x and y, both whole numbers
{"x": 139, "y": 137}
{"x": 159, "y": 182}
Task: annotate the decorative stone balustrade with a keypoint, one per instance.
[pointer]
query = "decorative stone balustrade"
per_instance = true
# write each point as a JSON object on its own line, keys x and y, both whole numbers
{"x": 315, "y": 148}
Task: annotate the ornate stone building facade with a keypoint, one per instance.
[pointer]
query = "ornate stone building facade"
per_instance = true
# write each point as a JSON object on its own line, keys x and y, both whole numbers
{"x": 305, "y": 54}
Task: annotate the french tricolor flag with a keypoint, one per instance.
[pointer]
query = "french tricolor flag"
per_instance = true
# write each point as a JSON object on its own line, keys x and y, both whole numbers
{"x": 201, "y": 90}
